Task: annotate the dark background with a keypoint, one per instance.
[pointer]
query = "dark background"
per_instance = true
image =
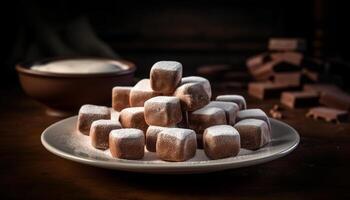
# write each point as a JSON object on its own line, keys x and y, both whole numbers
{"x": 192, "y": 32}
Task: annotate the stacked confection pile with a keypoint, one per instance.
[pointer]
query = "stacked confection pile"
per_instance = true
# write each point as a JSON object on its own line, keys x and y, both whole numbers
{"x": 285, "y": 72}
{"x": 173, "y": 116}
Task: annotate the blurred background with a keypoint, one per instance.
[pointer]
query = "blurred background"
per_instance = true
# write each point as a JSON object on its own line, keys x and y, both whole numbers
{"x": 193, "y": 32}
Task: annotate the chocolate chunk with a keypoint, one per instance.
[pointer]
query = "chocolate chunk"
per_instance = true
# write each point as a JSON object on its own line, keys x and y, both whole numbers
{"x": 288, "y": 78}
{"x": 266, "y": 71}
{"x": 299, "y": 99}
{"x": 258, "y": 59}
{"x": 291, "y": 57}
{"x": 264, "y": 90}
{"x": 321, "y": 88}
{"x": 336, "y": 99}
{"x": 328, "y": 114}
{"x": 311, "y": 76}
{"x": 287, "y": 44}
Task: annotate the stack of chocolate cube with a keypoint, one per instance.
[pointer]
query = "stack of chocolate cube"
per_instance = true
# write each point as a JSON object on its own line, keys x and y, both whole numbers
{"x": 172, "y": 116}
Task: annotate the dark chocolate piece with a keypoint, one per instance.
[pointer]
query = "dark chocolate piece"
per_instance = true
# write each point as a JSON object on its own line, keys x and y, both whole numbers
{"x": 287, "y": 44}
{"x": 321, "y": 88}
{"x": 336, "y": 99}
{"x": 299, "y": 99}
{"x": 258, "y": 59}
{"x": 266, "y": 71}
{"x": 328, "y": 114}
{"x": 264, "y": 90}
{"x": 288, "y": 78}
{"x": 310, "y": 76}
{"x": 291, "y": 57}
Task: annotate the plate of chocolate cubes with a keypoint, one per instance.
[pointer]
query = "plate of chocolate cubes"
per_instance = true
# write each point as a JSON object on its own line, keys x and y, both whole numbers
{"x": 169, "y": 124}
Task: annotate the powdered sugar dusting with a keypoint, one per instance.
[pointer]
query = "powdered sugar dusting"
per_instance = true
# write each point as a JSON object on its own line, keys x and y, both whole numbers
{"x": 198, "y": 79}
{"x": 143, "y": 85}
{"x": 251, "y": 113}
{"x": 133, "y": 110}
{"x": 81, "y": 66}
{"x": 233, "y": 98}
{"x": 115, "y": 115}
{"x": 105, "y": 122}
{"x": 207, "y": 111}
{"x": 156, "y": 129}
{"x": 227, "y": 106}
{"x": 221, "y": 130}
{"x": 127, "y": 133}
{"x": 93, "y": 109}
{"x": 167, "y": 65}
{"x": 67, "y": 139}
{"x": 178, "y": 133}
{"x": 164, "y": 99}
{"x": 251, "y": 122}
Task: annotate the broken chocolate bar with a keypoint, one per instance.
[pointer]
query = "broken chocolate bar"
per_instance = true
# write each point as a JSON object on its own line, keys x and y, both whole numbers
{"x": 321, "y": 88}
{"x": 299, "y": 99}
{"x": 336, "y": 99}
{"x": 328, "y": 114}
{"x": 291, "y": 57}
{"x": 287, "y": 44}
{"x": 263, "y": 90}
{"x": 288, "y": 78}
{"x": 266, "y": 71}
{"x": 258, "y": 59}
{"x": 310, "y": 75}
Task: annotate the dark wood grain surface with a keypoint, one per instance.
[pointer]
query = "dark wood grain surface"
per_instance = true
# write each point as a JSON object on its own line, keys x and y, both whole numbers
{"x": 317, "y": 169}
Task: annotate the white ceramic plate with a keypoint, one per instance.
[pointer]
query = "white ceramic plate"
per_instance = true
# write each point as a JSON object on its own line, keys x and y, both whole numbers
{"x": 63, "y": 140}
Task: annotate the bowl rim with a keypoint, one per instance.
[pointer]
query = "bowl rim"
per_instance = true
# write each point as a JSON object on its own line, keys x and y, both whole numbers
{"x": 23, "y": 67}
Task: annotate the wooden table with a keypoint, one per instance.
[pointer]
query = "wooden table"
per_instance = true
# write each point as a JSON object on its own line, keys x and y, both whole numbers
{"x": 317, "y": 169}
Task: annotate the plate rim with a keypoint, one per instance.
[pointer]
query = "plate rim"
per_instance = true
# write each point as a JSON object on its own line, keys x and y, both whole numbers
{"x": 137, "y": 167}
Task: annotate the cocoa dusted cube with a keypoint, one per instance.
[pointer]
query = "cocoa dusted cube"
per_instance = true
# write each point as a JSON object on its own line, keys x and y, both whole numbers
{"x": 165, "y": 76}
{"x": 198, "y": 79}
{"x": 151, "y": 137}
{"x": 205, "y": 117}
{"x": 99, "y": 132}
{"x": 120, "y": 97}
{"x": 238, "y": 99}
{"x": 141, "y": 92}
{"x": 163, "y": 111}
{"x": 254, "y": 133}
{"x": 127, "y": 143}
{"x": 192, "y": 96}
{"x": 133, "y": 117}
{"x": 90, "y": 113}
{"x": 253, "y": 114}
{"x": 230, "y": 109}
{"x": 221, "y": 141}
{"x": 176, "y": 144}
